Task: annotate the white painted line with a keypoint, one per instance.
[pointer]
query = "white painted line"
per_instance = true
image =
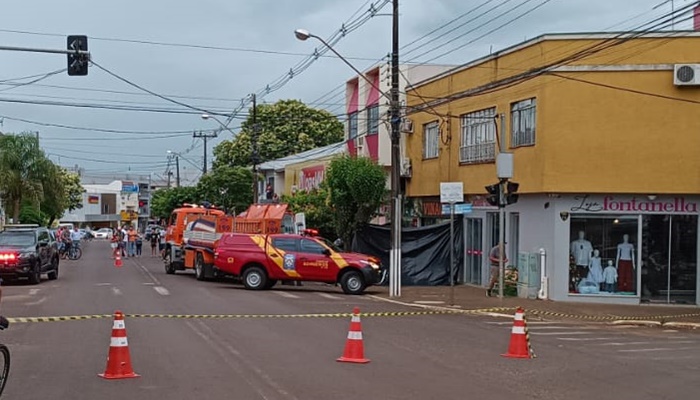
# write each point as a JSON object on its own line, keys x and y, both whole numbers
{"x": 584, "y": 339}
{"x": 33, "y": 292}
{"x": 36, "y": 303}
{"x": 622, "y": 343}
{"x": 103, "y": 284}
{"x": 285, "y": 294}
{"x": 656, "y": 349}
{"x": 149, "y": 283}
{"x": 558, "y": 333}
{"x": 116, "y": 291}
{"x": 329, "y": 296}
{"x": 567, "y": 327}
{"x": 528, "y": 323}
{"x": 161, "y": 290}
{"x": 429, "y": 302}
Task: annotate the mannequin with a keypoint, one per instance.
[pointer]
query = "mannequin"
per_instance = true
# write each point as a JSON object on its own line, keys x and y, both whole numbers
{"x": 610, "y": 277}
{"x": 625, "y": 265}
{"x": 581, "y": 249}
{"x": 595, "y": 269}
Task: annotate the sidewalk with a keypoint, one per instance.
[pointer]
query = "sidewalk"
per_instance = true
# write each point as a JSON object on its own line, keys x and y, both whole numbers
{"x": 474, "y": 298}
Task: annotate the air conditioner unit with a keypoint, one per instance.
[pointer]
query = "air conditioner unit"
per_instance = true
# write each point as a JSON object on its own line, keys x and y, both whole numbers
{"x": 407, "y": 125}
{"x": 406, "y": 168}
{"x": 360, "y": 143}
{"x": 686, "y": 74}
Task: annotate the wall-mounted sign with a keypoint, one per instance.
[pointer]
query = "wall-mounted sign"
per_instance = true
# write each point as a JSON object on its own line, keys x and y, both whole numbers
{"x": 92, "y": 199}
{"x": 311, "y": 177}
{"x": 130, "y": 187}
{"x": 633, "y": 204}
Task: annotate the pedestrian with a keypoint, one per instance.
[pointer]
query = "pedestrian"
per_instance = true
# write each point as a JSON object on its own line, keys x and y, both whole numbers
{"x": 155, "y": 239}
{"x": 131, "y": 241}
{"x": 162, "y": 244}
{"x": 124, "y": 240}
{"x": 114, "y": 243}
{"x": 139, "y": 244}
{"x": 495, "y": 257}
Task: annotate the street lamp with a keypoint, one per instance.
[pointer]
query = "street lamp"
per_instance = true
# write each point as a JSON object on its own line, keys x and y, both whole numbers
{"x": 395, "y": 119}
{"x": 177, "y": 166}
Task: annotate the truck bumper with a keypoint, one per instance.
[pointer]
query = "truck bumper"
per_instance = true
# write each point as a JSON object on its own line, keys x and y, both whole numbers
{"x": 372, "y": 276}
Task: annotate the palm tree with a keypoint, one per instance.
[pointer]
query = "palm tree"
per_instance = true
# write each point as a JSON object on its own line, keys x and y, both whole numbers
{"x": 23, "y": 167}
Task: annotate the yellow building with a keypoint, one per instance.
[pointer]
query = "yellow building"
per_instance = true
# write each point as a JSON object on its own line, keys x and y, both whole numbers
{"x": 605, "y": 142}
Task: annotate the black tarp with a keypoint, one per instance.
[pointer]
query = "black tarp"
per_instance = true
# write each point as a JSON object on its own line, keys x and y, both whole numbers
{"x": 425, "y": 251}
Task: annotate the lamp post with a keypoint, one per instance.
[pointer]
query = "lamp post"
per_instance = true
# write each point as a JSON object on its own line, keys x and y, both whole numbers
{"x": 395, "y": 119}
{"x": 177, "y": 166}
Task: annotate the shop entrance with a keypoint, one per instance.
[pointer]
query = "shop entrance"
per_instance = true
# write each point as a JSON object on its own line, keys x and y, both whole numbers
{"x": 474, "y": 254}
{"x": 669, "y": 258}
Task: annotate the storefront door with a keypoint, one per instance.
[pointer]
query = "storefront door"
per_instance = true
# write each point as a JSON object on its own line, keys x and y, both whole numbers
{"x": 669, "y": 258}
{"x": 473, "y": 260}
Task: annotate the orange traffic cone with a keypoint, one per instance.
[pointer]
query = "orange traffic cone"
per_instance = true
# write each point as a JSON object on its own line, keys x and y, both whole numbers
{"x": 118, "y": 261}
{"x": 519, "y": 341}
{"x": 119, "y": 360}
{"x": 354, "y": 348}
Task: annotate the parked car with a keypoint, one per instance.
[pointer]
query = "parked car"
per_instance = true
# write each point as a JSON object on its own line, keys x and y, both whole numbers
{"x": 103, "y": 233}
{"x": 28, "y": 251}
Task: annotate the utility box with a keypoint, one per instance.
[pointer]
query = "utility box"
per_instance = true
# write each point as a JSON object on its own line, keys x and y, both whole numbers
{"x": 504, "y": 165}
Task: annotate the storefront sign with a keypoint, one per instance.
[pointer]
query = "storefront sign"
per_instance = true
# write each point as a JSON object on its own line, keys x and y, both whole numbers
{"x": 93, "y": 199}
{"x": 311, "y": 178}
{"x": 432, "y": 208}
{"x": 129, "y": 187}
{"x": 638, "y": 205}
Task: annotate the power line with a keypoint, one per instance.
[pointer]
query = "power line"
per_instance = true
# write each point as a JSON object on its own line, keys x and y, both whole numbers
{"x": 117, "y": 131}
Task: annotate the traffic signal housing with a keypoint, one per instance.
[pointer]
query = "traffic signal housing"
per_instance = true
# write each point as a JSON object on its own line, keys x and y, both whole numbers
{"x": 512, "y": 192}
{"x": 494, "y": 195}
{"x": 78, "y": 63}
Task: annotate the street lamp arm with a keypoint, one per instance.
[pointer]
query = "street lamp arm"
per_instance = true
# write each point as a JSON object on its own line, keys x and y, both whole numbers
{"x": 223, "y": 126}
{"x": 302, "y": 34}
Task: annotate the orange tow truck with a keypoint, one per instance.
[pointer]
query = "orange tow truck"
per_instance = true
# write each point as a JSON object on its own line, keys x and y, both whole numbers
{"x": 194, "y": 230}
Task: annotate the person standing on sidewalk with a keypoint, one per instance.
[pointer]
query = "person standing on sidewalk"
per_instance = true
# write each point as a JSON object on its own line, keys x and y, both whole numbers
{"x": 154, "y": 239}
{"x": 139, "y": 244}
{"x": 495, "y": 256}
{"x": 131, "y": 236}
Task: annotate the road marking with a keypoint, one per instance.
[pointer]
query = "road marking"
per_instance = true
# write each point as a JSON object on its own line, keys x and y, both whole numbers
{"x": 33, "y": 292}
{"x": 285, "y": 294}
{"x": 161, "y": 290}
{"x": 622, "y": 343}
{"x": 567, "y": 327}
{"x": 656, "y": 349}
{"x": 149, "y": 283}
{"x": 558, "y": 333}
{"x": 116, "y": 291}
{"x": 103, "y": 284}
{"x": 329, "y": 296}
{"x": 429, "y": 302}
{"x": 35, "y": 303}
{"x": 584, "y": 339}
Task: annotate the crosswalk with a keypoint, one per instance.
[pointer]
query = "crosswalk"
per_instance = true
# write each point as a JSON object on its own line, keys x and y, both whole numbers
{"x": 621, "y": 341}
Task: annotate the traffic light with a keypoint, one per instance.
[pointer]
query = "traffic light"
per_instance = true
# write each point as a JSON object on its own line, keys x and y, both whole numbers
{"x": 78, "y": 63}
{"x": 494, "y": 196}
{"x": 511, "y": 192}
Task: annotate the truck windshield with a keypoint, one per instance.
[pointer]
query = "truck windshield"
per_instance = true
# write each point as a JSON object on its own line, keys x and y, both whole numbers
{"x": 329, "y": 244}
{"x": 19, "y": 239}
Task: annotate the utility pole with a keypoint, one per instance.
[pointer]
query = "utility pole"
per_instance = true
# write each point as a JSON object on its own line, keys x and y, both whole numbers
{"x": 254, "y": 150}
{"x": 395, "y": 116}
{"x": 170, "y": 173}
{"x": 177, "y": 170}
{"x": 204, "y": 136}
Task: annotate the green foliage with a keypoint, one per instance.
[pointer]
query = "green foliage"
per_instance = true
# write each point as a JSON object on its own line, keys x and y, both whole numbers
{"x": 357, "y": 188}
{"x": 286, "y": 127}
{"x": 314, "y": 205}
{"x": 62, "y": 191}
{"x": 164, "y": 201}
{"x": 29, "y": 214}
{"x": 228, "y": 187}
{"x": 23, "y": 170}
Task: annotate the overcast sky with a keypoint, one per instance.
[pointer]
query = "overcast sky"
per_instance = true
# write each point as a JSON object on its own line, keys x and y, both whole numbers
{"x": 255, "y": 46}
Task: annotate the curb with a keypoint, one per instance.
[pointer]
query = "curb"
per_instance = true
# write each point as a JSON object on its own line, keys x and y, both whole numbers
{"x": 636, "y": 322}
{"x": 443, "y": 308}
{"x": 688, "y": 325}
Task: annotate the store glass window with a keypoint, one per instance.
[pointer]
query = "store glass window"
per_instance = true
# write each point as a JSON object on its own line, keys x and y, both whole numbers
{"x": 603, "y": 255}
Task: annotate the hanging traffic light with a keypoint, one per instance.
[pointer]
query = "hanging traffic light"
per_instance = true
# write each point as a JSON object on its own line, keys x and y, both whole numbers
{"x": 494, "y": 195}
{"x": 78, "y": 62}
{"x": 511, "y": 192}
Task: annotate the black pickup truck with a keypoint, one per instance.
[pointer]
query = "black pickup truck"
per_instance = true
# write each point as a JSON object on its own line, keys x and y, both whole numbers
{"x": 28, "y": 251}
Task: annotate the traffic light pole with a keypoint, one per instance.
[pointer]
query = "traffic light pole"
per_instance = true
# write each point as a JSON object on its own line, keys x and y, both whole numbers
{"x": 502, "y": 237}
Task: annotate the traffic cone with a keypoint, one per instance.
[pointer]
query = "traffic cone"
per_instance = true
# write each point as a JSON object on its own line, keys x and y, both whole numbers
{"x": 519, "y": 341}
{"x": 118, "y": 261}
{"x": 354, "y": 348}
{"x": 119, "y": 360}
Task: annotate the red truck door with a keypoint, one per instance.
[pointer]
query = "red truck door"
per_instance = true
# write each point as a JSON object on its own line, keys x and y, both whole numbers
{"x": 313, "y": 262}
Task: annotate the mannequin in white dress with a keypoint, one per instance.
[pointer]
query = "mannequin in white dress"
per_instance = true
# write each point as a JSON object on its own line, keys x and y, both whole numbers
{"x": 595, "y": 269}
{"x": 625, "y": 265}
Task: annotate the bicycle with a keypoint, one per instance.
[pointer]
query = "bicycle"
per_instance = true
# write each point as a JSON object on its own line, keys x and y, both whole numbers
{"x": 4, "y": 357}
{"x": 74, "y": 252}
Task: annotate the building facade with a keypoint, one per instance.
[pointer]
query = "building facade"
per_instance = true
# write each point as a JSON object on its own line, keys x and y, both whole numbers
{"x": 604, "y": 142}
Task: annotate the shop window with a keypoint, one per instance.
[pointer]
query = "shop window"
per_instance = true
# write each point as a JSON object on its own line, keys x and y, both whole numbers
{"x": 522, "y": 123}
{"x": 603, "y": 255}
{"x": 478, "y": 140}
{"x": 430, "y": 140}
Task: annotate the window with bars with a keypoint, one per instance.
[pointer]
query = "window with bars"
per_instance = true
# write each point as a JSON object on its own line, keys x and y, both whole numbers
{"x": 352, "y": 125}
{"x": 478, "y": 140}
{"x": 431, "y": 140}
{"x": 373, "y": 120}
{"x": 522, "y": 123}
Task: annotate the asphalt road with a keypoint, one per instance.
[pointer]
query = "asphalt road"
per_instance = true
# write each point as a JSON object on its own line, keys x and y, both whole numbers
{"x": 412, "y": 357}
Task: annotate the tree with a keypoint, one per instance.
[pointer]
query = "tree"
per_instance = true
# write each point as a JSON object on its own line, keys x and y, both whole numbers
{"x": 29, "y": 214}
{"x": 227, "y": 187}
{"x": 164, "y": 201}
{"x": 315, "y": 206}
{"x": 285, "y": 128}
{"x": 357, "y": 187}
{"x": 23, "y": 167}
{"x": 62, "y": 191}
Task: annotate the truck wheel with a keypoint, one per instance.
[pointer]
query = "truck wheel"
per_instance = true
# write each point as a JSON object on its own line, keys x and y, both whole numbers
{"x": 53, "y": 274}
{"x": 352, "y": 282}
{"x": 199, "y": 267}
{"x": 254, "y": 278}
{"x": 169, "y": 267}
{"x": 35, "y": 274}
